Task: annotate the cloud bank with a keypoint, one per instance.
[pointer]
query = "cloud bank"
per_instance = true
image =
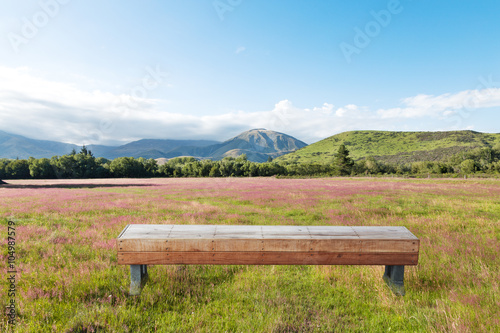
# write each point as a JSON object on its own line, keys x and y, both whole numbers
{"x": 44, "y": 109}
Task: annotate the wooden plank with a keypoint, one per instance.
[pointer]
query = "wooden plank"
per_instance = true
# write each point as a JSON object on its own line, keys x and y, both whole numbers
{"x": 377, "y": 246}
{"x": 271, "y": 245}
{"x": 193, "y": 231}
{"x": 285, "y": 232}
{"x": 238, "y": 232}
{"x": 206, "y": 238}
{"x": 141, "y": 245}
{"x": 332, "y": 232}
{"x": 311, "y": 245}
{"x": 146, "y": 231}
{"x": 265, "y": 258}
{"x": 370, "y": 232}
{"x": 123, "y": 231}
{"x": 266, "y": 232}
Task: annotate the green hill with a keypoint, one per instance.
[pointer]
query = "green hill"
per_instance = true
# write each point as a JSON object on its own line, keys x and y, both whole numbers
{"x": 393, "y": 147}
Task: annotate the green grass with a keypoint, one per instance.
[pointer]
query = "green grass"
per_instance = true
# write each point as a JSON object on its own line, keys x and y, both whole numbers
{"x": 393, "y": 146}
{"x": 69, "y": 280}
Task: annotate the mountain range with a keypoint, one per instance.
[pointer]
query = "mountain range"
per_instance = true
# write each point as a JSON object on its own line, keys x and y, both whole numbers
{"x": 260, "y": 144}
{"x": 257, "y": 144}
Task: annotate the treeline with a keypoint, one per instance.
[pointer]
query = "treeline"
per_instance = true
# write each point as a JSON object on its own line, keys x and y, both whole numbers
{"x": 81, "y": 165}
{"x": 478, "y": 160}
{"x": 85, "y": 165}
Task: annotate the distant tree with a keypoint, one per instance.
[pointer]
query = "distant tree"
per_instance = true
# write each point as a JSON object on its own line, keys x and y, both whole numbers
{"x": 85, "y": 151}
{"x": 41, "y": 168}
{"x": 205, "y": 167}
{"x": 371, "y": 165}
{"x": 422, "y": 167}
{"x": 151, "y": 167}
{"x": 468, "y": 166}
{"x": 253, "y": 169}
{"x": 128, "y": 167}
{"x": 64, "y": 166}
{"x": 166, "y": 170}
{"x": 271, "y": 169}
{"x": 269, "y": 159}
{"x": 102, "y": 170}
{"x": 342, "y": 162}
{"x": 496, "y": 150}
{"x": 17, "y": 169}
{"x": 191, "y": 169}
{"x": 85, "y": 165}
{"x": 214, "y": 171}
{"x": 178, "y": 170}
{"x": 495, "y": 167}
{"x": 226, "y": 167}
{"x": 239, "y": 167}
{"x": 3, "y": 165}
{"x": 403, "y": 168}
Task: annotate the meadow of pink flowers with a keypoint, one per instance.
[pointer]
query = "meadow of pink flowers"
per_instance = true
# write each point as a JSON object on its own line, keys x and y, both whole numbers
{"x": 66, "y": 229}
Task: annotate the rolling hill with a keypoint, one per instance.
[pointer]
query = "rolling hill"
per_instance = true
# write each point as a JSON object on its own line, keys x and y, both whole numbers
{"x": 394, "y": 147}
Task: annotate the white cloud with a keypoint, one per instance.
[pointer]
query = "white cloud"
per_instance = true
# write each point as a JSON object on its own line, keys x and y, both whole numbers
{"x": 240, "y": 49}
{"x": 44, "y": 109}
{"x": 325, "y": 108}
{"x": 350, "y": 110}
{"x": 443, "y": 105}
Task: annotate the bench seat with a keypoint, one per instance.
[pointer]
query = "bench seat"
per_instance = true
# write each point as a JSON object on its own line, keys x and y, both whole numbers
{"x": 140, "y": 245}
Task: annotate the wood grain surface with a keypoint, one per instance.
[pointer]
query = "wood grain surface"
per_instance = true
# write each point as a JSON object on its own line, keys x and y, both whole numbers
{"x": 235, "y": 244}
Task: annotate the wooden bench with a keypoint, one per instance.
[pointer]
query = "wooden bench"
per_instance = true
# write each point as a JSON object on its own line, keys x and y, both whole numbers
{"x": 140, "y": 245}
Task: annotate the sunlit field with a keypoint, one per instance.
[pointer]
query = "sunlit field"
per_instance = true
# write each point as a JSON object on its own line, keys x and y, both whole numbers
{"x": 68, "y": 279}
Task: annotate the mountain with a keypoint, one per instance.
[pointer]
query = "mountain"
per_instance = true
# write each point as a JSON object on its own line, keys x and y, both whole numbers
{"x": 17, "y": 146}
{"x": 394, "y": 147}
{"x": 150, "y": 148}
{"x": 257, "y": 144}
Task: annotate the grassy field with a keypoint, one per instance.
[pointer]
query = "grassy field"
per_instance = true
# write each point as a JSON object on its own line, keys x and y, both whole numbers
{"x": 68, "y": 279}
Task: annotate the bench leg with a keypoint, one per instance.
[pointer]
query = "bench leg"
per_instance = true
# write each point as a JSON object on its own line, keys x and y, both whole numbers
{"x": 394, "y": 277}
{"x": 138, "y": 278}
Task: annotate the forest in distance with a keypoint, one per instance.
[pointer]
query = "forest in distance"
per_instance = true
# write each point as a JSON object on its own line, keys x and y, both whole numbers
{"x": 481, "y": 161}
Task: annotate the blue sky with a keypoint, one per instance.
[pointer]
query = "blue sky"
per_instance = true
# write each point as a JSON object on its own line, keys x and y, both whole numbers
{"x": 110, "y": 72}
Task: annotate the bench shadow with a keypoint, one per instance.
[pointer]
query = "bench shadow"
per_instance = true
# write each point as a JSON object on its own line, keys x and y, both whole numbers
{"x": 70, "y": 186}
